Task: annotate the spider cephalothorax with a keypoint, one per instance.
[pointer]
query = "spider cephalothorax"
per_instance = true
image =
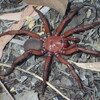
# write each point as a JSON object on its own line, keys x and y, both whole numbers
{"x": 56, "y": 45}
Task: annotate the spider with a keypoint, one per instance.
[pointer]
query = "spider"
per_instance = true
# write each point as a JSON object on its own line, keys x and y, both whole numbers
{"x": 54, "y": 45}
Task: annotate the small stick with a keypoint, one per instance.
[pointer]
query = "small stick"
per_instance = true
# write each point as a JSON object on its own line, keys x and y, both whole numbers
{"x": 6, "y": 90}
{"x": 36, "y": 76}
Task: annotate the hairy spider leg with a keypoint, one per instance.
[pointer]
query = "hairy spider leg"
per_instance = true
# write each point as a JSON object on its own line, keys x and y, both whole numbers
{"x": 80, "y": 28}
{"x": 46, "y": 71}
{"x": 71, "y": 68}
{"x": 14, "y": 32}
{"x": 75, "y": 49}
{"x": 45, "y": 22}
{"x": 67, "y": 18}
{"x": 25, "y": 54}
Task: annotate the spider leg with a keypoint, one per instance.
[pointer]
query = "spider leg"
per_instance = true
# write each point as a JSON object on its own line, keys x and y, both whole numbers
{"x": 25, "y": 54}
{"x": 64, "y": 21}
{"x": 72, "y": 39}
{"x": 69, "y": 47}
{"x": 71, "y": 68}
{"x": 80, "y": 28}
{"x": 45, "y": 22}
{"x": 65, "y": 42}
{"x": 75, "y": 49}
{"x": 14, "y": 32}
{"x": 45, "y": 71}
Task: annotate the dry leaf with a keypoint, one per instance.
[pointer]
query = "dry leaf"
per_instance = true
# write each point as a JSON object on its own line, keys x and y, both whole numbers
{"x": 27, "y": 95}
{"x": 91, "y": 66}
{"x": 11, "y": 16}
{"x": 18, "y": 15}
{"x": 59, "y": 5}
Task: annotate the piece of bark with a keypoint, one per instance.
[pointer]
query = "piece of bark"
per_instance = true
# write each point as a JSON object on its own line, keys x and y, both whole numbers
{"x": 59, "y": 5}
{"x": 5, "y": 39}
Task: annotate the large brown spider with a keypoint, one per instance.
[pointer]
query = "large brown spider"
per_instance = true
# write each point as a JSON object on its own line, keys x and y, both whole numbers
{"x": 56, "y": 45}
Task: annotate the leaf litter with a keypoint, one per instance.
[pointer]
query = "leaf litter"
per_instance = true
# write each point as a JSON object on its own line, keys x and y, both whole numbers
{"x": 60, "y": 74}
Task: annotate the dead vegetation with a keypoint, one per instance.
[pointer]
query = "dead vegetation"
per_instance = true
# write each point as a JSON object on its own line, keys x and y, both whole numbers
{"x": 25, "y": 83}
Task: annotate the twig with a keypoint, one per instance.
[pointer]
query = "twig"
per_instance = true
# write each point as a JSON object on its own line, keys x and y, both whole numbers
{"x": 6, "y": 90}
{"x": 36, "y": 76}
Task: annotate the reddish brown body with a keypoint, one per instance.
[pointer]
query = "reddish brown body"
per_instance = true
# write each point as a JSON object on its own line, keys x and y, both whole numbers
{"x": 53, "y": 44}
{"x": 56, "y": 45}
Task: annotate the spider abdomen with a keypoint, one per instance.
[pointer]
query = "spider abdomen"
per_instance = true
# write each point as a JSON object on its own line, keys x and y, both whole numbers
{"x": 53, "y": 44}
{"x": 33, "y": 44}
